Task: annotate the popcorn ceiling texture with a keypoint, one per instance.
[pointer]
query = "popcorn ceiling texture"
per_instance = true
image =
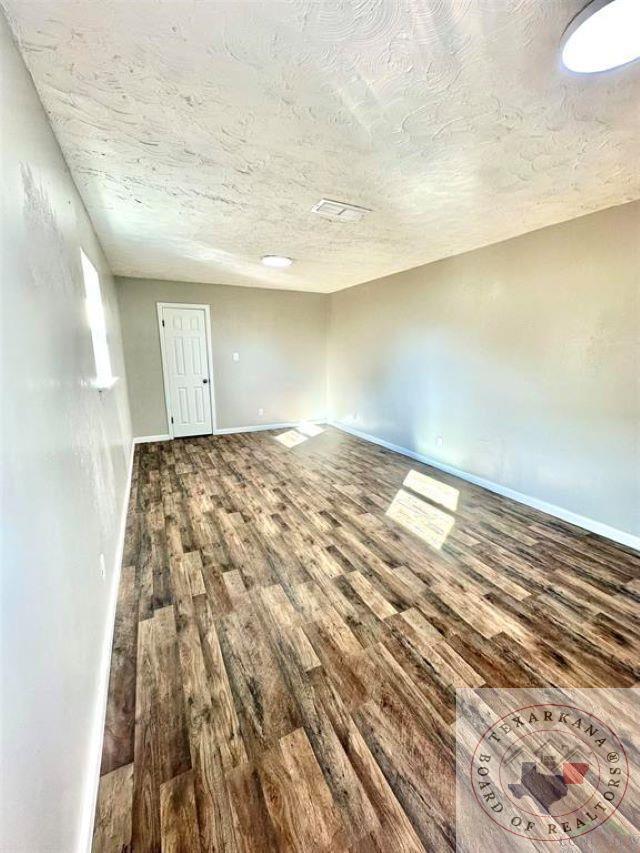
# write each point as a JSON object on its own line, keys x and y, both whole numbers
{"x": 201, "y": 133}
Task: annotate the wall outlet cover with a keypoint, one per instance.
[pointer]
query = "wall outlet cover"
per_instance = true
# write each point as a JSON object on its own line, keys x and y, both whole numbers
{"x": 236, "y": 356}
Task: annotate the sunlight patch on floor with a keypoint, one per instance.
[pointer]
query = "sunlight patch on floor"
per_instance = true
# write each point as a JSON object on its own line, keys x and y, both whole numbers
{"x": 440, "y": 493}
{"x": 309, "y": 429}
{"x": 429, "y": 523}
{"x": 290, "y": 438}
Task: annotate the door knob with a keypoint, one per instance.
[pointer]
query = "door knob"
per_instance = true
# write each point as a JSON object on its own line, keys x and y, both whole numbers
{"x": 204, "y": 381}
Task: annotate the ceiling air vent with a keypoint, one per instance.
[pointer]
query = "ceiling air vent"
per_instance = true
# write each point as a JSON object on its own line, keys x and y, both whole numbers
{"x": 339, "y": 211}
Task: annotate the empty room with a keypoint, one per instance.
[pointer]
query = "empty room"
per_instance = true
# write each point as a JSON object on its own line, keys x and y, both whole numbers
{"x": 320, "y": 426}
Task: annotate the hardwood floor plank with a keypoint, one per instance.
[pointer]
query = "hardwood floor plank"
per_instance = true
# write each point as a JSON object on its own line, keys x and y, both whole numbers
{"x": 178, "y": 817}
{"x": 224, "y": 717}
{"x": 377, "y": 603}
{"x": 146, "y": 761}
{"x": 235, "y": 588}
{"x": 254, "y": 830}
{"x": 145, "y": 567}
{"x": 298, "y": 799}
{"x": 289, "y": 623}
{"x": 213, "y": 576}
{"x": 394, "y": 831}
{"x": 192, "y": 562}
{"x": 414, "y": 752}
{"x": 112, "y": 827}
{"x": 173, "y": 742}
{"x": 215, "y": 814}
{"x": 212, "y": 807}
{"x": 265, "y": 707}
{"x": 350, "y": 799}
{"x": 117, "y": 745}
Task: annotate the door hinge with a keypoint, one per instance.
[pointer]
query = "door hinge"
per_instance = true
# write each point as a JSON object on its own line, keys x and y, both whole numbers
{"x": 171, "y": 418}
{"x": 163, "y": 322}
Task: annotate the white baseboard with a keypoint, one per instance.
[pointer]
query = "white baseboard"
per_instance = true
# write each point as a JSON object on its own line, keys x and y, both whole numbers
{"x": 95, "y": 760}
{"x": 260, "y": 427}
{"x": 145, "y": 439}
{"x": 620, "y": 536}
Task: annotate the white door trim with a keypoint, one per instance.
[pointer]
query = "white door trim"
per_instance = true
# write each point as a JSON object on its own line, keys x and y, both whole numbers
{"x": 165, "y": 371}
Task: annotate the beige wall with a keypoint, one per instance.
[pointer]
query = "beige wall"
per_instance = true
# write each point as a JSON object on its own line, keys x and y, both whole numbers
{"x": 65, "y": 458}
{"x": 522, "y": 356}
{"x": 280, "y": 335}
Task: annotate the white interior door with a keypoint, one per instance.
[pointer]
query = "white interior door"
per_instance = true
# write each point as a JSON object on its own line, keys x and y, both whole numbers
{"x": 187, "y": 371}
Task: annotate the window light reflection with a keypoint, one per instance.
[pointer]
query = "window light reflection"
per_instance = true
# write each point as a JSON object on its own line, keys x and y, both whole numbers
{"x": 309, "y": 429}
{"x": 436, "y": 491}
{"x": 429, "y": 523}
{"x": 290, "y": 438}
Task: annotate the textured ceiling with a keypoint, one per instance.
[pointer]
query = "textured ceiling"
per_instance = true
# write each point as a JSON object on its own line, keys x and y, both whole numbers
{"x": 201, "y": 133}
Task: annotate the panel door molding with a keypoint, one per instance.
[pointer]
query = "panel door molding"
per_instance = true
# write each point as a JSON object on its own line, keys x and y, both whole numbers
{"x": 187, "y": 367}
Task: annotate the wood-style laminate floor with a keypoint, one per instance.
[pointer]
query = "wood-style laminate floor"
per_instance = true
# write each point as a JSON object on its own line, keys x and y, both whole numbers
{"x": 293, "y": 623}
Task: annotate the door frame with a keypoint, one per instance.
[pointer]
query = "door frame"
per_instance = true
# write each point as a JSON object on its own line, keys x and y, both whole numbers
{"x": 207, "y": 327}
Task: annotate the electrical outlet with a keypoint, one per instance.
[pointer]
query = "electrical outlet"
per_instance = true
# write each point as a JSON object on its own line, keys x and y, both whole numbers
{"x": 103, "y": 568}
{"x": 236, "y": 356}
{"x": 260, "y": 412}
{"x": 439, "y": 441}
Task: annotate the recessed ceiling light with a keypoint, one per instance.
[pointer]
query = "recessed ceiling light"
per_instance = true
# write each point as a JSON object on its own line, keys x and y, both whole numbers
{"x": 604, "y": 35}
{"x": 278, "y": 261}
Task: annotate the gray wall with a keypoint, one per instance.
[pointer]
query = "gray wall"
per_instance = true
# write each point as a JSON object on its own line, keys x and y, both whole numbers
{"x": 522, "y": 356}
{"x": 280, "y": 336}
{"x": 65, "y": 456}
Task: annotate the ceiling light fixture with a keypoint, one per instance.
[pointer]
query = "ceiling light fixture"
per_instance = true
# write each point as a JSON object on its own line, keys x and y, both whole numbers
{"x": 605, "y": 35}
{"x": 277, "y": 261}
